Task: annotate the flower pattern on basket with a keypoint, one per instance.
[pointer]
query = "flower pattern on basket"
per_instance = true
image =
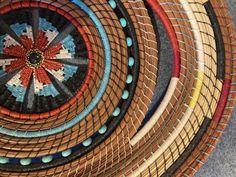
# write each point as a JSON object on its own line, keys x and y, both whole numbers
{"x": 35, "y": 61}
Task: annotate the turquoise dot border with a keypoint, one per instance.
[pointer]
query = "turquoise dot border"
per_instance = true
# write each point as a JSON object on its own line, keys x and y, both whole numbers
{"x": 95, "y": 100}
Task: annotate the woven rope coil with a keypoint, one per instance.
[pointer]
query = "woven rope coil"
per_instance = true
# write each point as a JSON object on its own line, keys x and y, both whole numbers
{"x": 113, "y": 87}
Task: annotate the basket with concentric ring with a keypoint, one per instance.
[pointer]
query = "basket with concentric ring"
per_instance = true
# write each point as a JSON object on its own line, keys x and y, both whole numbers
{"x": 113, "y": 87}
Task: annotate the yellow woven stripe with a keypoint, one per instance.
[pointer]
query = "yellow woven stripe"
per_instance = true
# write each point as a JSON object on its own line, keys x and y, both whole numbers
{"x": 198, "y": 86}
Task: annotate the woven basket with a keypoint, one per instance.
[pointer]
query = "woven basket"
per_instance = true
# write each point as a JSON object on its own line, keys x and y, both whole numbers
{"x": 113, "y": 87}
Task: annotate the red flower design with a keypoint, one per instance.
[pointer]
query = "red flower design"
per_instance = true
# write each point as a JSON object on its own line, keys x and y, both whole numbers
{"x": 34, "y": 58}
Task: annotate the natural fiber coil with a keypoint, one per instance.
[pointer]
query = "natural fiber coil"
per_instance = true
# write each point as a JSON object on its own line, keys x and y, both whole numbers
{"x": 113, "y": 87}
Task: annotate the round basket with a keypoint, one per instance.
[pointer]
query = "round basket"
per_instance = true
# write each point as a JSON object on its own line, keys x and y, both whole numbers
{"x": 113, "y": 87}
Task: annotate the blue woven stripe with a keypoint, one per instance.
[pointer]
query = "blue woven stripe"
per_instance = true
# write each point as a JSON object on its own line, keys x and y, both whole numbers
{"x": 69, "y": 44}
{"x": 2, "y": 73}
{"x": 95, "y": 100}
{"x": 2, "y": 43}
{"x": 69, "y": 71}
{"x": 45, "y": 25}
{"x": 19, "y": 28}
{"x": 18, "y": 92}
{"x": 48, "y": 90}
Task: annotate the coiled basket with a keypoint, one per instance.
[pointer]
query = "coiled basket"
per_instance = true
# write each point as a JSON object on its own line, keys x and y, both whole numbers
{"x": 113, "y": 87}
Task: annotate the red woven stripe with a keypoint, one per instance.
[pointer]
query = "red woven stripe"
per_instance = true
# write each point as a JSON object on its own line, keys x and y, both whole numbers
{"x": 26, "y": 75}
{"x": 52, "y": 65}
{"x": 16, "y": 51}
{"x": 171, "y": 33}
{"x": 16, "y": 64}
{"x": 42, "y": 76}
{"x": 51, "y": 52}
{"x": 223, "y": 100}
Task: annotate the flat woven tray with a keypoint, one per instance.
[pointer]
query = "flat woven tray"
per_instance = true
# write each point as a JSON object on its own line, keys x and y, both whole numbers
{"x": 113, "y": 87}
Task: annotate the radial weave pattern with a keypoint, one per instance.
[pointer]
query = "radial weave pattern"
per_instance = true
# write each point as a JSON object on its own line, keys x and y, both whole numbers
{"x": 93, "y": 88}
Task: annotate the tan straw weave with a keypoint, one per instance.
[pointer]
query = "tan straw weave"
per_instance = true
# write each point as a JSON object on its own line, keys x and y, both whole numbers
{"x": 113, "y": 87}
